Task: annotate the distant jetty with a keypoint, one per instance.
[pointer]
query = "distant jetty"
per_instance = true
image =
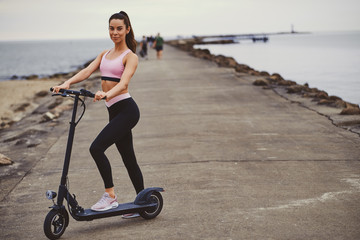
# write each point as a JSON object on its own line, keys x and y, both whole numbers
{"x": 274, "y": 81}
{"x": 236, "y": 38}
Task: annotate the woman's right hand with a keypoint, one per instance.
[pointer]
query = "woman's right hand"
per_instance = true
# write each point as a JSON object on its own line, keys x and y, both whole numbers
{"x": 65, "y": 85}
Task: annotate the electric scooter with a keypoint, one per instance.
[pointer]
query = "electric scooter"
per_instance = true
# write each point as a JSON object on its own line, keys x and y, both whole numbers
{"x": 148, "y": 203}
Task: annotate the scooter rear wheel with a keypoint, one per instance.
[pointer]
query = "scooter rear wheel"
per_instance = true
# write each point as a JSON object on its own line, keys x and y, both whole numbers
{"x": 55, "y": 223}
{"x": 153, "y": 212}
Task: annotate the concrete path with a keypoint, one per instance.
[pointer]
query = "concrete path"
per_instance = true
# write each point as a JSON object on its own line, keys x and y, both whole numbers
{"x": 236, "y": 161}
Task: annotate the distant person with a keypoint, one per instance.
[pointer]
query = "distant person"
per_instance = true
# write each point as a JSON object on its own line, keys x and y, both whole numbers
{"x": 158, "y": 44}
{"x": 143, "y": 47}
{"x": 150, "y": 40}
{"x": 117, "y": 66}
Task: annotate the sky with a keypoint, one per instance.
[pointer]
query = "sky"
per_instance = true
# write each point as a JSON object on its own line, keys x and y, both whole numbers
{"x": 84, "y": 19}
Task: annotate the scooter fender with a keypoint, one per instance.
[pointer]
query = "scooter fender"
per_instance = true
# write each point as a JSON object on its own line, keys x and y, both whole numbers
{"x": 144, "y": 196}
{"x": 62, "y": 209}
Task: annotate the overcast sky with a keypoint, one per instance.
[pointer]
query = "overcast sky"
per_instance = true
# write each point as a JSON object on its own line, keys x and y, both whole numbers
{"x": 73, "y": 19}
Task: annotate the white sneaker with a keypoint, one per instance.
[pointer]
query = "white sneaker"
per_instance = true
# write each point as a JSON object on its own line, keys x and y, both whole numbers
{"x": 105, "y": 203}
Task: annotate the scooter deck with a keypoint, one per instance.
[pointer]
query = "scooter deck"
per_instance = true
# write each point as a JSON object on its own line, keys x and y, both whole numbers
{"x": 123, "y": 208}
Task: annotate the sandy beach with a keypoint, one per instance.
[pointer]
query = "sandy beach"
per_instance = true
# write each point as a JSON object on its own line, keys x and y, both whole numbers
{"x": 19, "y": 97}
{"x": 27, "y": 111}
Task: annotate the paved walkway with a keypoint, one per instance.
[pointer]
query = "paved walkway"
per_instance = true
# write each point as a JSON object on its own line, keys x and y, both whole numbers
{"x": 236, "y": 161}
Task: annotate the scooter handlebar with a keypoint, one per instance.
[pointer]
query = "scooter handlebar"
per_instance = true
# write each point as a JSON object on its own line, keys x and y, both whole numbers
{"x": 82, "y": 92}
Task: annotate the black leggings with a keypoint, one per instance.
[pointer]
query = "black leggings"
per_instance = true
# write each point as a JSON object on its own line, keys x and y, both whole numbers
{"x": 123, "y": 116}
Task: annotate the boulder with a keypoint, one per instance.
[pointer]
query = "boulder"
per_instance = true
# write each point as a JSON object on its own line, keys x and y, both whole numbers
{"x": 322, "y": 95}
{"x": 296, "y": 88}
{"x": 41, "y": 93}
{"x": 340, "y": 104}
{"x": 55, "y": 103}
{"x": 276, "y": 77}
{"x": 264, "y": 73}
{"x": 327, "y": 102}
{"x": 20, "y": 107}
{"x": 254, "y": 73}
{"x": 223, "y": 61}
{"x": 242, "y": 68}
{"x": 335, "y": 98}
{"x": 350, "y": 111}
{"x": 285, "y": 82}
{"x": 4, "y": 160}
{"x": 48, "y": 116}
{"x": 261, "y": 82}
{"x": 313, "y": 90}
{"x": 31, "y": 77}
{"x": 351, "y": 105}
{"x": 332, "y": 101}
{"x": 308, "y": 95}
{"x": 201, "y": 53}
{"x": 231, "y": 62}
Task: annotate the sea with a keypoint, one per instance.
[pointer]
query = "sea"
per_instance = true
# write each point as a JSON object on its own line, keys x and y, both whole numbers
{"x": 47, "y": 57}
{"x": 329, "y": 61}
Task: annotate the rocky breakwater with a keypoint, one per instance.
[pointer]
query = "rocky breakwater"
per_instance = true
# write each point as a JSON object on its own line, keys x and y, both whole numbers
{"x": 341, "y": 113}
{"x": 28, "y": 124}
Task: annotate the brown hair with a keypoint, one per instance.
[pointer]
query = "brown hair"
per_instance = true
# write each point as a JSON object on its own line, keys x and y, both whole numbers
{"x": 130, "y": 38}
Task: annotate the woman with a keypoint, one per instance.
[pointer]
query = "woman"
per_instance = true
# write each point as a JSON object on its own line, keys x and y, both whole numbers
{"x": 118, "y": 63}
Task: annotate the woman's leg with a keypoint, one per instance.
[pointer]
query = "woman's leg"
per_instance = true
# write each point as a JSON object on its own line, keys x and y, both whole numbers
{"x": 123, "y": 117}
{"x": 126, "y": 149}
{"x": 97, "y": 149}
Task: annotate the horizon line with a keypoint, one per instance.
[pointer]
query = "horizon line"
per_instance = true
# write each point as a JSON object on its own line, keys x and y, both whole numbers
{"x": 165, "y": 36}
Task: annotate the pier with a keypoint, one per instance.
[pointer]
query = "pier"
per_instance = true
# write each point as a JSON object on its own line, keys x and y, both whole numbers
{"x": 235, "y": 38}
{"x": 236, "y": 161}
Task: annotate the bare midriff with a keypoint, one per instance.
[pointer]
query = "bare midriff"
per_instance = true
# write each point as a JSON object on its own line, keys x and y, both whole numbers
{"x": 108, "y": 85}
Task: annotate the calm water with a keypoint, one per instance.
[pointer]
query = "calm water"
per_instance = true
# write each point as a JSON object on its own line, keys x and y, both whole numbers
{"x": 23, "y": 58}
{"x": 328, "y": 61}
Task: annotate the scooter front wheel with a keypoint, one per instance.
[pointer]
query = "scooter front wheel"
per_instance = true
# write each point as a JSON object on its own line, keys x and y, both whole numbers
{"x": 55, "y": 223}
{"x": 153, "y": 212}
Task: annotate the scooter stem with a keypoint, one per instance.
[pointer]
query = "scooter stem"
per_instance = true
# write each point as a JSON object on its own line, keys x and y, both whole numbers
{"x": 68, "y": 152}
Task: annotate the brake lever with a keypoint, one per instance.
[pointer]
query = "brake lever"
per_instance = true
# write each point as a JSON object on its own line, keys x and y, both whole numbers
{"x": 60, "y": 94}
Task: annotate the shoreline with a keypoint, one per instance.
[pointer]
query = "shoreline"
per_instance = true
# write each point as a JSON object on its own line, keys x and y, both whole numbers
{"x": 28, "y": 96}
{"x": 48, "y": 76}
{"x": 28, "y": 113}
{"x": 24, "y": 91}
{"x": 341, "y": 113}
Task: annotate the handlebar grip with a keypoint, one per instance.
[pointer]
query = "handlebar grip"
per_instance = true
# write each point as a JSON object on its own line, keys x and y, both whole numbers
{"x": 87, "y": 93}
{"x": 52, "y": 89}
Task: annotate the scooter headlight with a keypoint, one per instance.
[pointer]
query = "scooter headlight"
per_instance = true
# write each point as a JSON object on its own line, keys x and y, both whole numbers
{"x": 50, "y": 194}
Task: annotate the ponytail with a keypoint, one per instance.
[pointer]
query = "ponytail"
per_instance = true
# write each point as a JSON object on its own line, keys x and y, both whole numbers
{"x": 130, "y": 38}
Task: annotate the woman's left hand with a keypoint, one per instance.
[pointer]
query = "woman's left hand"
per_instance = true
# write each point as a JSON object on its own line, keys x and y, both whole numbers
{"x": 99, "y": 95}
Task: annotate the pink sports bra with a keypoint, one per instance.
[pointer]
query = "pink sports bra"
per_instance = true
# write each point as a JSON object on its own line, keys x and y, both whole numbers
{"x": 112, "y": 70}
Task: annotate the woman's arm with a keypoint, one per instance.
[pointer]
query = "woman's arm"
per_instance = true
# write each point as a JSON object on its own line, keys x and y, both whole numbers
{"x": 82, "y": 75}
